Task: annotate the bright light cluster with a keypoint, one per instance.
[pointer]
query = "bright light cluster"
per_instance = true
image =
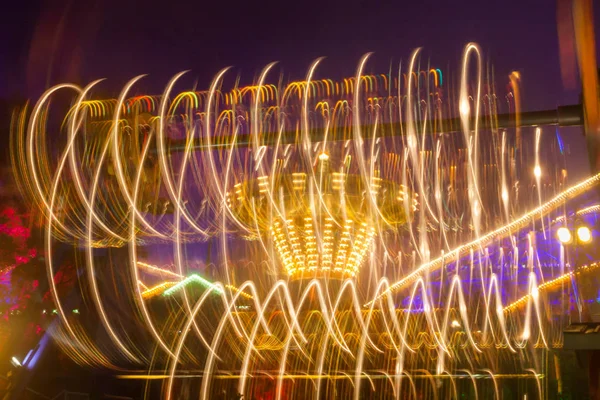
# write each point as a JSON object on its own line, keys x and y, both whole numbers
{"x": 583, "y": 234}
{"x": 331, "y": 238}
{"x": 297, "y": 248}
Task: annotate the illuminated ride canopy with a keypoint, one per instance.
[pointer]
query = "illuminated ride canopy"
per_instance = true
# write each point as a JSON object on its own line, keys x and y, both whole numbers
{"x": 322, "y": 223}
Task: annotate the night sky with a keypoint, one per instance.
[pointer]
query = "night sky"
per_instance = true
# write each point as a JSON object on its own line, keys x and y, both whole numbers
{"x": 49, "y": 42}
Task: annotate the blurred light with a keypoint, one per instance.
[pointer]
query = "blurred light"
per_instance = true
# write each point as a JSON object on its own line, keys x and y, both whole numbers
{"x": 455, "y": 324}
{"x": 584, "y": 234}
{"x": 15, "y": 362}
{"x": 564, "y": 235}
{"x": 464, "y": 107}
{"x": 29, "y": 353}
{"x": 537, "y": 171}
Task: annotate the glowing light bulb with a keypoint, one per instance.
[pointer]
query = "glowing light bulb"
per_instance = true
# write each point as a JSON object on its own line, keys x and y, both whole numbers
{"x": 564, "y": 235}
{"x": 537, "y": 171}
{"x": 323, "y": 157}
{"x": 455, "y": 324}
{"x": 584, "y": 234}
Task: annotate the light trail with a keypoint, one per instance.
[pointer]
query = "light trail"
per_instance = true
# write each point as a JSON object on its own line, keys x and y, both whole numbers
{"x": 462, "y": 224}
{"x": 501, "y": 232}
{"x": 551, "y": 284}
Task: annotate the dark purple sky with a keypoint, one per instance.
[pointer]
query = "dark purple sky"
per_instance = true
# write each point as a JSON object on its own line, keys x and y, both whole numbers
{"x": 47, "y": 42}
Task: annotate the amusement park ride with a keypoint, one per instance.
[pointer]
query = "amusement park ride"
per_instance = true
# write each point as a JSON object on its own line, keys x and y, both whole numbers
{"x": 375, "y": 237}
